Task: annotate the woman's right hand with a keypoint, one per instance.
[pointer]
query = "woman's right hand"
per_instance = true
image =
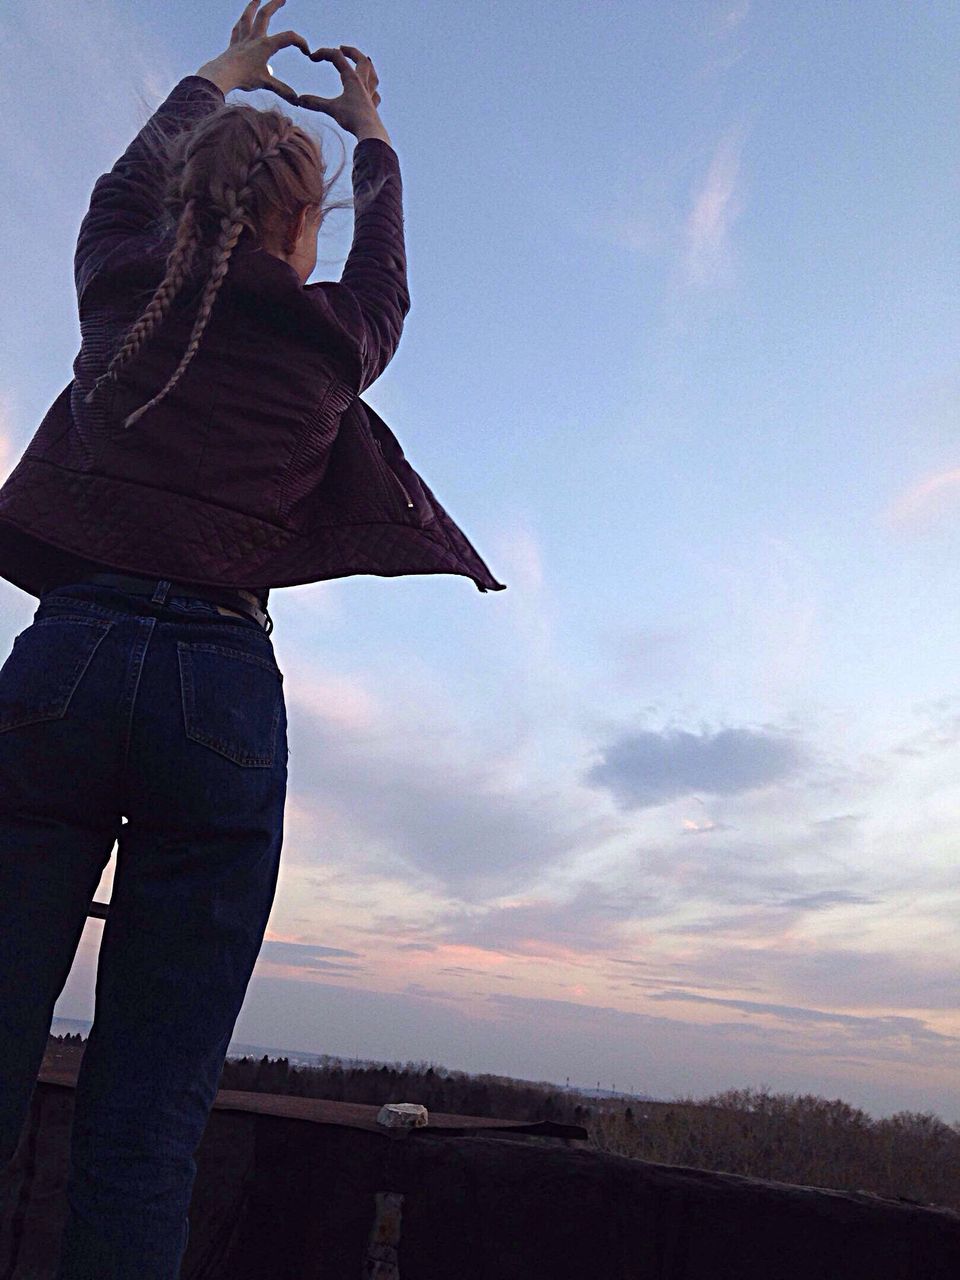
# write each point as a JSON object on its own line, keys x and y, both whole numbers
{"x": 356, "y": 108}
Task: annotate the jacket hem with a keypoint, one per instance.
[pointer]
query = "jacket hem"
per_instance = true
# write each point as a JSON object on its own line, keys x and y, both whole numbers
{"x": 137, "y": 529}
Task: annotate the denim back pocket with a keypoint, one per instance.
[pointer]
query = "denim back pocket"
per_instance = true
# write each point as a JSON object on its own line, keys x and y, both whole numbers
{"x": 231, "y": 701}
{"x": 44, "y": 668}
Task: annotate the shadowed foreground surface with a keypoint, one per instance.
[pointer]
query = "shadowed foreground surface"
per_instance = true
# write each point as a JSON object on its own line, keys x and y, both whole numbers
{"x": 300, "y": 1188}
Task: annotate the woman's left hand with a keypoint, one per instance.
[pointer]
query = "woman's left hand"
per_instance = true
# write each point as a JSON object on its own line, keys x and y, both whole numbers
{"x": 243, "y": 65}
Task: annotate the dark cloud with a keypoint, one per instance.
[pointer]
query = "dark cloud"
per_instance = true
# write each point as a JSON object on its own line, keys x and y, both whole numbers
{"x": 650, "y": 768}
{"x": 306, "y": 955}
{"x": 828, "y": 898}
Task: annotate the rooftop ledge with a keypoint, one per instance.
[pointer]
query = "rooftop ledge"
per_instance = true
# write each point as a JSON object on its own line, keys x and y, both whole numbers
{"x": 303, "y": 1188}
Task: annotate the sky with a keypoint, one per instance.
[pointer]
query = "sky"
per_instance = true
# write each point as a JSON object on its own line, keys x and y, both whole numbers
{"x": 676, "y": 811}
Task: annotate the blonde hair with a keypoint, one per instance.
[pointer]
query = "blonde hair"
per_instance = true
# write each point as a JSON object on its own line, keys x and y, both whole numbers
{"x": 238, "y": 171}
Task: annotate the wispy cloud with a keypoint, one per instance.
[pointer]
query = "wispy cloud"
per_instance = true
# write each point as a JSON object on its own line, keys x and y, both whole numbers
{"x": 917, "y": 507}
{"x": 722, "y": 29}
{"x": 889, "y": 1026}
{"x": 689, "y": 230}
{"x": 708, "y": 259}
{"x": 451, "y": 820}
{"x": 735, "y": 14}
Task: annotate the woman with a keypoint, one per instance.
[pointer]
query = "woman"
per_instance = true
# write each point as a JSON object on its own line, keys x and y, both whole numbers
{"x": 211, "y": 444}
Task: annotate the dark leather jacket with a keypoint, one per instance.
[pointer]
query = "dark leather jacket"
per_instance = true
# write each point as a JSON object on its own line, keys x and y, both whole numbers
{"x": 263, "y": 465}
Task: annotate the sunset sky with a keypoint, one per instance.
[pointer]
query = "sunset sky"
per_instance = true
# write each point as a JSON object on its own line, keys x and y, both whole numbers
{"x": 678, "y": 809}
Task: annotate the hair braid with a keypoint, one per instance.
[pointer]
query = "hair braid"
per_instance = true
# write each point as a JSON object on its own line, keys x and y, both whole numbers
{"x": 231, "y": 227}
{"x": 239, "y": 169}
{"x": 178, "y": 268}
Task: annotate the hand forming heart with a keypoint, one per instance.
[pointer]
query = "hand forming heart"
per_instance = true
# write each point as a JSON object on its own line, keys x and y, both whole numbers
{"x": 244, "y": 65}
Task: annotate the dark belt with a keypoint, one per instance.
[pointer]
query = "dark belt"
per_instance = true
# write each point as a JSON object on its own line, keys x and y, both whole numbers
{"x": 161, "y": 589}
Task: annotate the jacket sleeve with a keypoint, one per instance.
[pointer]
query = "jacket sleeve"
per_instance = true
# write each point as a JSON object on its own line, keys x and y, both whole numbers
{"x": 371, "y": 298}
{"x": 127, "y": 200}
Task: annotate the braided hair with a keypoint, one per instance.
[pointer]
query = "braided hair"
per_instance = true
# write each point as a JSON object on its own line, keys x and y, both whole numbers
{"x": 239, "y": 170}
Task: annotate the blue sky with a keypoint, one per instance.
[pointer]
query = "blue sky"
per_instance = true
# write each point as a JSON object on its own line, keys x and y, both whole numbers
{"x": 677, "y": 809}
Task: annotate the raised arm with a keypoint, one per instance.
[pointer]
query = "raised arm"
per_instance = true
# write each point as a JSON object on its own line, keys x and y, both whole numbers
{"x": 371, "y": 298}
{"x": 127, "y": 200}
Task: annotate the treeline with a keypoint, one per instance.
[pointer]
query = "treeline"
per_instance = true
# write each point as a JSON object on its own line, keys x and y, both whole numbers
{"x": 434, "y": 1087}
{"x": 802, "y": 1139}
{"x": 806, "y": 1140}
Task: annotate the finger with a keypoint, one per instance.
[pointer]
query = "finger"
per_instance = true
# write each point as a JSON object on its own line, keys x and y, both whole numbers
{"x": 360, "y": 58}
{"x": 365, "y": 66}
{"x": 310, "y": 102}
{"x": 286, "y": 38}
{"x": 337, "y": 58}
{"x": 245, "y": 21}
{"x": 283, "y": 89}
{"x": 262, "y": 19}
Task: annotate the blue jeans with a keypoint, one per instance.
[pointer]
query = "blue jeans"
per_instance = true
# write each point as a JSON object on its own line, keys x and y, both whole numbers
{"x": 172, "y": 715}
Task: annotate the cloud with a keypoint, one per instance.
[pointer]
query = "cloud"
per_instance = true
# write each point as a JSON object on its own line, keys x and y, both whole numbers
{"x": 540, "y": 1038}
{"x": 650, "y": 768}
{"x": 398, "y": 800}
{"x": 734, "y": 14}
{"x": 716, "y": 204}
{"x": 885, "y": 1027}
{"x": 658, "y": 217}
{"x": 942, "y": 733}
{"x": 721, "y": 29}
{"x": 838, "y": 822}
{"x": 337, "y": 700}
{"x": 691, "y": 827}
{"x": 918, "y": 506}
{"x": 800, "y": 972}
{"x": 304, "y": 955}
{"x": 584, "y": 924}
{"x": 811, "y": 1042}
{"x": 828, "y": 898}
